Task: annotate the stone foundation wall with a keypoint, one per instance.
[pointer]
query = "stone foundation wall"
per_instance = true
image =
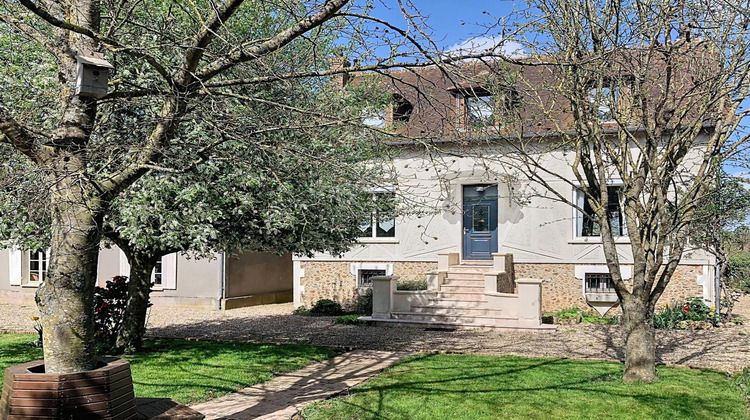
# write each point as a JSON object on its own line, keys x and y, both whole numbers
{"x": 334, "y": 280}
{"x": 561, "y": 289}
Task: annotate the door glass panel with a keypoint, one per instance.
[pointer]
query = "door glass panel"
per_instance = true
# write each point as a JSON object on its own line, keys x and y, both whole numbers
{"x": 481, "y": 218}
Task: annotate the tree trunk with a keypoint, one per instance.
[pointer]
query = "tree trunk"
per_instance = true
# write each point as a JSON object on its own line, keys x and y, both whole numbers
{"x": 640, "y": 348}
{"x": 130, "y": 335}
{"x": 66, "y": 298}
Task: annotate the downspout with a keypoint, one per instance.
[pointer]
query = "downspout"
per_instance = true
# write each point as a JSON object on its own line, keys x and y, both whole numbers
{"x": 222, "y": 278}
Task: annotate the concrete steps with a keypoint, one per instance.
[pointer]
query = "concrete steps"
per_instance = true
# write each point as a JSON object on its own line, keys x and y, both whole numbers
{"x": 460, "y": 303}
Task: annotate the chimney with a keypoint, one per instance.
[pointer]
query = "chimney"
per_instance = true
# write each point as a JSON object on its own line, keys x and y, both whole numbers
{"x": 339, "y": 80}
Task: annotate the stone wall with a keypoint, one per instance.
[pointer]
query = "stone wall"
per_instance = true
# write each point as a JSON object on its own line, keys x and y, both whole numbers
{"x": 334, "y": 280}
{"x": 561, "y": 289}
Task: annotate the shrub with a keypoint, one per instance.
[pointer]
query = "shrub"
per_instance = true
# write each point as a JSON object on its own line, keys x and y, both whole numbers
{"x": 348, "y": 320}
{"x": 109, "y": 308}
{"x": 678, "y": 314}
{"x": 412, "y": 285}
{"x": 326, "y": 307}
{"x": 363, "y": 304}
{"x": 738, "y": 271}
{"x": 574, "y": 312}
{"x": 302, "y": 311}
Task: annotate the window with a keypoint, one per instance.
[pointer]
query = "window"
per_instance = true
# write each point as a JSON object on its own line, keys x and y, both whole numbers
{"x": 364, "y": 272}
{"x": 484, "y": 108}
{"x": 402, "y": 109}
{"x": 586, "y": 223}
{"x": 157, "y": 276}
{"x": 375, "y": 118}
{"x": 37, "y": 266}
{"x": 599, "y": 283}
{"x": 365, "y": 277}
{"x": 480, "y": 109}
{"x": 603, "y": 101}
{"x": 382, "y": 222}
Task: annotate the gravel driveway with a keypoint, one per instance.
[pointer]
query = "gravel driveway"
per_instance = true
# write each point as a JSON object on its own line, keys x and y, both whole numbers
{"x": 726, "y": 349}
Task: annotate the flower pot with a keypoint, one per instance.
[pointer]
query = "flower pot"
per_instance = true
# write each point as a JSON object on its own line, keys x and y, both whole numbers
{"x": 102, "y": 393}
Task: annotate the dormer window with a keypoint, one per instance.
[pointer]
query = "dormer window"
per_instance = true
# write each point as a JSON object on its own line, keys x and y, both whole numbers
{"x": 483, "y": 108}
{"x": 603, "y": 100}
{"x": 402, "y": 109}
{"x": 375, "y": 118}
{"x": 399, "y": 110}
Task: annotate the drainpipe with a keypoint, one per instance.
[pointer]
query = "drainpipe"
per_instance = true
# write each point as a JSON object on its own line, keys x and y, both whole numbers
{"x": 222, "y": 277}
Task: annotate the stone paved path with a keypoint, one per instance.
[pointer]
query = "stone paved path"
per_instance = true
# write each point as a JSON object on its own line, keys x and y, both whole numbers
{"x": 287, "y": 393}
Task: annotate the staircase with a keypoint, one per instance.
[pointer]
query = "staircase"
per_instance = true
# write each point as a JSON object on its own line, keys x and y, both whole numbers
{"x": 461, "y": 302}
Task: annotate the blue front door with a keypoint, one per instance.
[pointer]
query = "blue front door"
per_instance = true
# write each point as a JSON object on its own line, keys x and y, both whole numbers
{"x": 480, "y": 222}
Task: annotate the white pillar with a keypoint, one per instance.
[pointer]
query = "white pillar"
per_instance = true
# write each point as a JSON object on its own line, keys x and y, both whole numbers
{"x": 383, "y": 288}
{"x": 529, "y": 301}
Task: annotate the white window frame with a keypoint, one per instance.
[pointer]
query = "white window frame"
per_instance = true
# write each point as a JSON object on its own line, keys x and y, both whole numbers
{"x": 601, "y": 106}
{"x": 374, "y": 217}
{"x": 578, "y": 198}
{"x": 169, "y": 271}
{"x": 19, "y": 267}
{"x": 357, "y": 268}
{"x": 42, "y": 272}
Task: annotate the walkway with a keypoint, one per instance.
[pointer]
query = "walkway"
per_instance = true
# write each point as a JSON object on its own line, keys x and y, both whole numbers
{"x": 287, "y": 393}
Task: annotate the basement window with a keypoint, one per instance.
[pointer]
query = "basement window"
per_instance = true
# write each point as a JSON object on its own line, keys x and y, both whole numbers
{"x": 365, "y": 277}
{"x": 599, "y": 283}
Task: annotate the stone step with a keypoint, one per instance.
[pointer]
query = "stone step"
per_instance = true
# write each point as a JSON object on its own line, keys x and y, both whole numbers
{"x": 461, "y": 295}
{"x": 470, "y": 319}
{"x": 464, "y": 276}
{"x": 452, "y": 310}
{"x": 462, "y": 288}
{"x": 458, "y": 303}
{"x": 456, "y": 282}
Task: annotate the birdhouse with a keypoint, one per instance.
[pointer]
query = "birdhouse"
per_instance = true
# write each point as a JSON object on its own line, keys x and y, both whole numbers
{"x": 93, "y": 75}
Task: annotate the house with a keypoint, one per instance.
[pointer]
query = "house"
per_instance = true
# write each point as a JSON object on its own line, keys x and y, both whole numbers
{"x": 226, "y": 282}
{"x": 467, "y": 210}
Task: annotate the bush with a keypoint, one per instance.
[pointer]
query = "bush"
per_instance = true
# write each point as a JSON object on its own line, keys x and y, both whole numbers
{"x": 363, "y": 304}
{"x": 738, "y": 271}
{"x": 412, "y": 285}
{"x": 326, "y": 307}
{"x": 348, "y": 320}
{"x": 574, "y": 312}
{"x": 109, "y": 308}
{"x": 302, "y": 311}
{"x": 681, "y": 314}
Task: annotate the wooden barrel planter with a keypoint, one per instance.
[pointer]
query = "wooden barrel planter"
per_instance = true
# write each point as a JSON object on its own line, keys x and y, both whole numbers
{"x": 103, "y": 393}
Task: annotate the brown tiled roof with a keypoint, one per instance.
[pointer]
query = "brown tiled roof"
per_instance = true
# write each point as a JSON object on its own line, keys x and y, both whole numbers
{"x": 437, "y": 94}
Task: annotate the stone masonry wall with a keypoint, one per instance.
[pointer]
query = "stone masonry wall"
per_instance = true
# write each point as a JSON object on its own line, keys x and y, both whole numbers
{"x": 561, "y": 289}
{"x": 334, "y": 280}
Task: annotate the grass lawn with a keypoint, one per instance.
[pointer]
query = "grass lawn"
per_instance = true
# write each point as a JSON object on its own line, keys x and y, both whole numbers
{"x": 462, "y": 387}
{"x": 190, "y": 371}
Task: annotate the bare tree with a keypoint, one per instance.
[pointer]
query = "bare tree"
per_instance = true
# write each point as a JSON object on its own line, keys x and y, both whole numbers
{"x": 641, "y": 101}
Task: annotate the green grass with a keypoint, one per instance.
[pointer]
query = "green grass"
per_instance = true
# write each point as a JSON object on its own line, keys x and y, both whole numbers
{"x": 482, "y": 387}
{"x": 190, "y": 371}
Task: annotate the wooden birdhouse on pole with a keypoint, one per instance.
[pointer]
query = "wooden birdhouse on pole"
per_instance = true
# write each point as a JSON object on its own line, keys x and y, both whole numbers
{"x": 93, "y": 75}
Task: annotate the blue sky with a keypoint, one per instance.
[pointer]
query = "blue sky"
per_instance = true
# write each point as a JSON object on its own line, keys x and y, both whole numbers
{"x": 452, "y": 21}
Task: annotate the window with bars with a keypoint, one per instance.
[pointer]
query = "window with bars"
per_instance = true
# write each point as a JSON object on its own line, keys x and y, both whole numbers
{"x": 365, "y": 276}
{"x": 599, "y": 283}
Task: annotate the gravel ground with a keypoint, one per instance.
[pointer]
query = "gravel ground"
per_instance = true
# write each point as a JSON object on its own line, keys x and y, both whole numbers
{"x": 726, "y": 349}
